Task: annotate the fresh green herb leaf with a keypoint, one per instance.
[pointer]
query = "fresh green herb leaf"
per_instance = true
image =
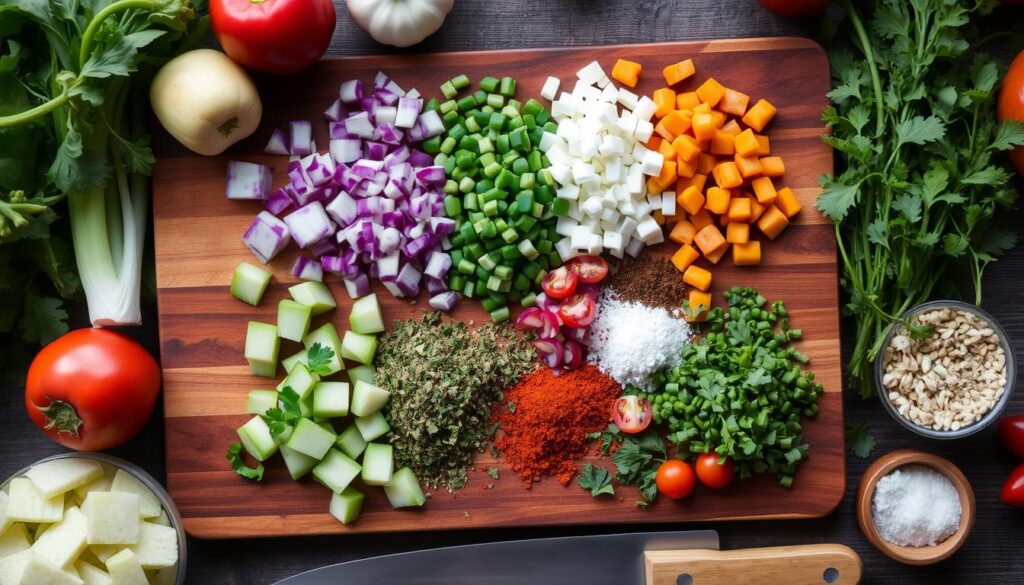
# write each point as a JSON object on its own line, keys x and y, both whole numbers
{"x": 1009, "y": 135}
{"x": 318, "y": 359}
{"x": 289, "y": 400}
{"x": 597, "y": 480}
{"x": 859, "y": 441}
{"x": 492, "y": 472}
{"x": 919, "y": 130}
{"x": 235, "y": 457}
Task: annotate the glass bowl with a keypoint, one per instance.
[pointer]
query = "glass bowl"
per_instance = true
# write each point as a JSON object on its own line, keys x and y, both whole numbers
{"x": 146, "y": 479}
{"x": 989, "y": 417}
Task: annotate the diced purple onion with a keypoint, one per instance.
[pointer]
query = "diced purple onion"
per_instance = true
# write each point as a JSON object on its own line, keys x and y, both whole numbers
{"x": 434, "y": 286}
{"x": 309, "y": 224}
{"x": 357, "y": 286}
{"x": 278, "y": 201}
{"x": 359, "y": 124}
{"x": 431, "y": 124}
{"x": 266, "y": 237}
{"x": 307, "y": 269}
{"x": 390, "y": 134}
{"x": 351, "y": 91}
{"x": 278, "y": 143}
{"x": 335, "y": 112}
{"x": 408, "y": 280}
{"x": 324, "y": 247}
{"x": 376, "y": 150}
{"x": 551, "y": 351}
{"x": 248, "y": 180}
{"x": 438, "y": 265}
{"x": 572, "y": 355}
{"x": 346, "y": 150}
{"x": 444, "y": 301}
{"x": 387, "y": 267}
{"x": 408, "y": 112}
{"x": 430, "y": 175}
{"x": 418, "y": 158}
{"x": 301, "y": 137}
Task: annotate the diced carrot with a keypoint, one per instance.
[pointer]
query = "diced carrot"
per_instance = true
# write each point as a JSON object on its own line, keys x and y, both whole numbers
{"x": 764, "y": 190}
{"x": 706, "y": 163}
{"x": 758, "y": 116}
{"x": 685, "y": 168}
{"x": 677, "y": 72}
{"x": 734, "y": 102}
{"x": 701, "y": 108}
{"x": 732, "y": 127}
{"x": 771, "y": 223}
{"x": 739, "y": 209}
{"x": 722, "y": 143}
{"x": 727, "y": 176}
{"x": 668, "y": 174}
{"x": 764, "y": 147}
{"x": 746, "y": 143}
{"x": 723, "y": 220}
{"x": 682, "y": 232}
{"x": 710, "y": 92}
{"x": 654, "y": 185}
{"x": 717, "y": 255}
{"x": 704, "y": 144}
{"x": 659, "y": 217}
{"x": 665, "y": 99}
{"x": 756, "y": 209}
{"x": 691, "y": 200}
{"x": 787, "y": 202}
{"x": 653, "y": 143}
{"x": 697, "y": 277}
{"x": 687, "y": 100}
{"x": 686, "y": 148}
{"x": 717, "y": 200}
{"x": 675, "y": 122}
{"x": 719, "y": 118}
{"x": 749, "y": 166}
{"x": 772, "y": 166}
{"x": 701, "y": 219}
{"x": 703, "y": 126}
{"x": 684, "y": 257}
{"x": 747, "y": 254}
{"x": 697, "y": 180}
{"x": 698, "y": 305}
{"x": 666, "y": 150}
{"x": 709, "y": 239}
{"x": 627, "y": 72}
{"x": 737, "y": 232}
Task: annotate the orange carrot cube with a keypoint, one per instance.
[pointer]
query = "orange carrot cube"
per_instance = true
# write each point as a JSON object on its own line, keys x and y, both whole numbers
{"x": 749, "y": 166}
{"x": 772, "y": 222}
{"x": 701, "y": 219}
{"x": 763, "y": 145}
{"x": 691, "y": 200}
{"x": 687, "y": 100}
{"x": 727, "y": 175}
{"x": 697, "y": 277}
{"x": 711, "y": 92}
{"x": 717, "y": 200}
{"x": 787, "y": 202}
{"x": 746, "y": 143}
{"x": 709, "y": 239}
{"x": 772, "y": 166}
{"x": 737, "y": 232}
{"x": 677, "y": 72}
{"x": 732, "y": 127}
{"x": 764, "y": 190}
{"x": 758, "y": 116}
{"x": 706, "y": 163}
{"x": 684, "y": 257}
{"x": 682, "y": 232}
{"x": 722, "y": 143}
{"x": 703, "y": 126}
{"x": 739, "y": 209}
{"x": 734, "y": 102}
{"x": 717, "y": 255}
{"x": 746, "y": 254}
{"x": 665, "y": 99}
{"x": 627, "y": 72}
{"x": 686, "y": 147}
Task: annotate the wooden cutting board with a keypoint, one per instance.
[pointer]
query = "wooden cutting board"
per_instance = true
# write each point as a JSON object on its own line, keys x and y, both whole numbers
{"x": 202, "y": 328}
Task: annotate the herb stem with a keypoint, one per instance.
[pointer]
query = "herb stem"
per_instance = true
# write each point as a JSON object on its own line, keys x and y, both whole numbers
{"x": 869, "y": 56}
{"x": 40, "y": 110}
{"x": 97, "y": 21}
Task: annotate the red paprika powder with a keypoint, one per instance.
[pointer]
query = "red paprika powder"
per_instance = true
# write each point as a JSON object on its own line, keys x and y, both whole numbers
{"x": 545, "y": 420}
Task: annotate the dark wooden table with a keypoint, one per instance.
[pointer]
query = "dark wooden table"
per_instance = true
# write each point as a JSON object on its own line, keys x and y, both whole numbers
{"x": 992, "y": 555}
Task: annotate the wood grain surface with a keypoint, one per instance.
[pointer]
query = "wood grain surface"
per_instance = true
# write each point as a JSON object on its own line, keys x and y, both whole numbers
{"x": 198, "y": 245}
{"x": 779, "y": 565}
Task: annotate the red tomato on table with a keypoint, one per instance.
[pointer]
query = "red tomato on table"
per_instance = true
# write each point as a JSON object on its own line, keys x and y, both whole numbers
{"x": 1013, "y": 489}
{"x": 1011, "y": 104}
{"x": 674, "y": 479}
{"x": 794, "y": 7}
{"x": 92, "y": 389}
{"x": 713, "y": 475}
{"x": 1011, "y": 431}
{"x": 274, "y": 36}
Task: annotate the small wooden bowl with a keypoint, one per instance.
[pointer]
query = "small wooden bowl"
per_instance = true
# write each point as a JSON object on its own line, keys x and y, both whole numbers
{"x": 912, "y": 555}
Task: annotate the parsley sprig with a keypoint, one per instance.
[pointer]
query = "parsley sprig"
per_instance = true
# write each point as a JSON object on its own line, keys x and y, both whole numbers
{"x": 235, "y": 457}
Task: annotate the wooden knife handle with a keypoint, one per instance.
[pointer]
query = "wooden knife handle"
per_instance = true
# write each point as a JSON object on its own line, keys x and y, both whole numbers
{"x": 813, "y": 564}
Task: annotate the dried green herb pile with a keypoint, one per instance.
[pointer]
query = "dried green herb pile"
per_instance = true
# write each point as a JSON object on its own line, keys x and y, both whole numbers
{"x": 443, "y": 379}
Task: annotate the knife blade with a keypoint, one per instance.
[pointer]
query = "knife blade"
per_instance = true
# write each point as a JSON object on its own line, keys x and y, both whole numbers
{"x": 613, "y": 559}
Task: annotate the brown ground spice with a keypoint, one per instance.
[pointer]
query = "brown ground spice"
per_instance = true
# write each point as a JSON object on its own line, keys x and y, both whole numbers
{"x": 654, "y": 282}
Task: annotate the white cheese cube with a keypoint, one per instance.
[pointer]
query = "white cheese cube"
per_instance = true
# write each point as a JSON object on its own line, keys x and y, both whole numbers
{"x": 634, "y": 247}
{"x": 149, "y": 504}
{"x": 93, "y": 575}
{"x": 55, "y": 477}
{"x": 613, "y": 242}
{"x": 635, "y": 182}
{"x": 644, "y": 130}
{"x": 643, "y": 210}
{"x": 668, "y": 203}
{"x": 620, "y": 193}
{"x": 581, "y": 237}
{"x": 583, "y": 173}
{"x": 26, "y": 504}
{"x": 604, "y": 81}
{"x": 626, "y": 125}
{"x": 567, "y": 129}
{"x": 548, "y": 140}
{"x": 157, "y": 547}
{"x": 593, "y": 206}
{"x": 610, "y": 215}
{"x": 649, "y": 231}
{"x": 626, "y": 98}
{"x": 599, "y": 169}
{"x": 607, "y": 116}
{"x": 13, "y": 567}
{"x": 564, "y": 249}
{"x": 562, "y": 108}
{"x": 558, "y": 154}
{"x": 561, "y": 173}
{"x": 595, "y": 246}
{"x": 580, "y": 87}
{"x": 124, "y": 569}
{"x": 608, "y": 199}
{"x": 565, "y": 226}
{"x": 627, "y": 208}
{"x": 590, "y": 73}
{"x": 589, "y": 145}
{"x": 4, "y": 520}
{"x": 610, "y": 94}
{"x": 104, "y": 551}
{"x": 550, "y": 88}
{"x": 112, "y": 517}
{"x": 611, "y": 145}
{"x": 568, "y": 191}
{"x": 639, "y": 151}
{"x": 654, "y": 201}
{"x": 64, "y": 541}
{"x": 574, "y": 211}
{"x": 652, "y": 163}
{"x": 40, "y": 572}
{"x": 645, "y": 108}
{"x": 587, "y": 93}
{"x": 13, "y": 540}
{"x": 572, "y": 149}
{"x": 609, "y": 226}
{"x": 100, "y": 484}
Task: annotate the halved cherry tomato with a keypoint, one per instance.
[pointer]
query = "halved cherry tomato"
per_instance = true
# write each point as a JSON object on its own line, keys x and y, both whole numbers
{"x": 674, "y": 479}
{"x": 713, "y": 475}
{"x": 631, "y": 414}
{"x": 1013, "y": 489}
{"x": 578, "y": 311}
{"x": 592, "y": 269}
{"x": 560, "y": 283}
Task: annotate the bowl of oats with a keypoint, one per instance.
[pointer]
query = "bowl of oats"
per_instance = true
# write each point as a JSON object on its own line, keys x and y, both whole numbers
{"x": 947, "y": 372}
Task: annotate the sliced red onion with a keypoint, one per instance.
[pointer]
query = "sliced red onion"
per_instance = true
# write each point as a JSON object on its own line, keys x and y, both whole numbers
{"x": 430, "y": 124}
{"x": 359, "y": 124}
{"x": 572, "y": 355}
{"x": 444, "y": 301}
{"x": 545, "y": 302}
{"x": 577, "y": 334}
{"x": 551, "y": 351}
{"x": 278, "y": 201}
{"x": 408, "y": 281}
{"x": 325, "y": 247}
{"x": 335, "y": 112}
{"x": 408, "y": 112}
{"x": 591, "y": 290}
{"x": 442, "y": 226}
{"x": 530, "y": 318}
{"x": 351, "y": 91}
{"x": 430, "y": 175}
{"x": 309, "y": 224}
{"x": 434, "y": 286}
{"x": 357, "y": 286}
{"x": 390, "y": 133}
{"x": 438, "y": 265}
{"x": 375, "y": 150}
{"x": 550, "y": 324}
{"x": 307, "y": 269}
{"x": 266, "y": 237}
{"x": 278, "y": 143}
{"x": 301, "y": 138}
{"x": 248, "y": 180}
{"x": 387, "y": 267}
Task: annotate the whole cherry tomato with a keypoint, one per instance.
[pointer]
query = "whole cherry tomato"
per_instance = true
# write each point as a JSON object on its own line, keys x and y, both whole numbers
{"x": 674, "y": 479}
{"x": 1011, "y": 431}
{"x": 275, "y": 36}
{"x": 794, "y": 7}
{"x": 713, "y": 475}
{"x": 92, "y": 389}
{"x": 1011, "y": 104}
{"x": 1013, "y": 489}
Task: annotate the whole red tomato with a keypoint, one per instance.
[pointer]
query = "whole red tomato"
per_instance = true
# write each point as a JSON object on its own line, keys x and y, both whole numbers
{"x": 713, "y": 475}
{"x": 1011, "y": 431}
{"x": 275, "y": 36}
{"x": 674, "y": 479}
{"x": 1011, "y": 104}
{"x": 794, "y": 7}
{"x": 92, "y": 389}
{"x": 1013, "y": 489}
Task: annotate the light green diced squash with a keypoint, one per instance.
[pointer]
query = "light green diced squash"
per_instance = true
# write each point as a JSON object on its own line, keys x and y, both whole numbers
{"x": 162, "y": 519}
{"x": 299, "y": 357}
{"x": 100, "y": 484}
{"x": 257, "y": 440}
{"x": 93, "y": 575}
{"x": 283, "y": 437}
{"x": 124, "y": 569}
{"x": 298, "y": 464}
{"x": 293, "y": 319}
{"x": 104, "y": 551}
{"x": 359, "y": 347}
{"x": 351, "y": 442}
{"x": 300, "y": 380}
{"x": 311, "y": 439}
{"x": 404, "y": 491}
{"x": 111, "y": 518}
{"x": 336, "y": 470}
{"x": 125, "y": 482}
{"x": 314, "y": 295}
{"x": 157, "y": 547}
{"x": 261, "y": 347}
{"x": 26, "y": 504}
{"x": 249, "y": 282}
{"x": 62, "y": 543}
{"x": 5, "y": 522}
{"x": 13, "y": 540}
{"x": 366, "y": 316}
{"x": 365, "y": 373}
{"x": 330, "y": 399}
{"x": 368, "y": 399}
{"x": 58, "y": 476}
{"x": 373, "y": 426}
{"x": 327, "y": 336}
{"x": 168, "y": 576}
{"x": 12, "y": 568}
{"x": 378, "y": 464}
{"x": 260, "y": 401}
{"x": 347, "y": 505}
{"x": 40, "y": 572}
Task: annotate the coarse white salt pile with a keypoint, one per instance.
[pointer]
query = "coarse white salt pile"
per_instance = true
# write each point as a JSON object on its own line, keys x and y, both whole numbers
{"x": 914, "y": 505}
{"x": 630, "y": 341}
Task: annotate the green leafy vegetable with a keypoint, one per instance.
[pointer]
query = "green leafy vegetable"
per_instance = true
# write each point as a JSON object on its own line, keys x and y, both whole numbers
{"x": 923, "y": 171}
{"x": 319, "y": 359}
{"x": 281, "y": 419}
{"x": 597, "y": 480}
{"x": 235, "y": 457}
{"x": 492, "y": 472}
{"x": 859, "y": 441}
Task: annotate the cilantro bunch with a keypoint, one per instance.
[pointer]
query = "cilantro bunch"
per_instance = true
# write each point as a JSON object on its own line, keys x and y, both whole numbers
{"x": 923, "y": 172}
